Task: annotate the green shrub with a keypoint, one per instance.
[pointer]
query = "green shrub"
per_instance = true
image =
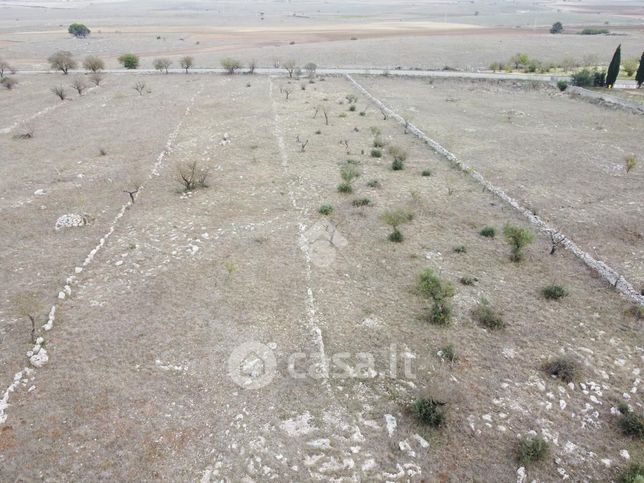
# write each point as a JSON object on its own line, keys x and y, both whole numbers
{"x": 345, "y": 188}
{"x": 488, "y": 317}
{"x": 426, "y": 172}
{"x": 460, "y": 249}
{"x": 631, "y": 423}
{"x": 376, "y": 153}
{"x": 562, "y": 85}
{"x": 429, "y": 412}
{"x": 583, "y": 78}
{"x": 468, "y": 280}
{"x": 348, "y": 173}
{"x": 326, "y": 209}
{"x": 396, "y": 236}
{"x": 440, "y": 313}
{"x": 374, "y": 183}
{"x": 449, "y": 353}
{"x": 361, "y": 202}
{"x": 397, "y": 165}
{"x": 531, "y": 450}
{"x": 488, "y": 231}
{"x": 430, "y": 286}
{"x": 593, "y": 31}
{"x": 633, "y": 474}
{"x": 517, "y": 238}
{"x": 564, "y": 368}
{"x": 129, "y": 61}
{"x": 352, "y": 108}
{"x": 554, "y": 292}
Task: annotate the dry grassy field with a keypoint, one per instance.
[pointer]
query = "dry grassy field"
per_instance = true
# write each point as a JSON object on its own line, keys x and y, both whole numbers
{"x": 210, "y": 277}
{"x": 138, "y": 387}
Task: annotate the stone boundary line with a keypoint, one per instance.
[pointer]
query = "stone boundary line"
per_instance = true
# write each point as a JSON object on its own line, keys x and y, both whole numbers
{"x": 607, "y": 273}
{"x": 612, "y": 101}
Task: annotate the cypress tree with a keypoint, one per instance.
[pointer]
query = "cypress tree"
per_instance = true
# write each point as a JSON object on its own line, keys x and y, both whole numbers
{"x": 639, "y": 77}
{"x": 613, "y": 68}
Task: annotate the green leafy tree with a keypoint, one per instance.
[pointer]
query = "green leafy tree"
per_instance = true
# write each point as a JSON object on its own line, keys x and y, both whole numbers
{"x": 556, "y": 28}
{"x": 129, "y": 61}
{"x": 79, "y": 30}
{"x": 517, "y": 238}
{"x": 613, "y": 68}
{"x": 639, "y": 77}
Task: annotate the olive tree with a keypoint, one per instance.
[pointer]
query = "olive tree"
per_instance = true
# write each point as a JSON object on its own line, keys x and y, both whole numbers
{"x": 162, "y": 65}
{"x": 311, "y": 68}
{"x": 186, "y": 63}
{"x": 93, "y": 63}
{"x": 4, "y": 66}
{"x": 79, "y": 85}
{"x": 290, "y": 66}
{"x": 59, "y": 92}
{"x": 62, "y": 61}
{"x": 230, "y": 64}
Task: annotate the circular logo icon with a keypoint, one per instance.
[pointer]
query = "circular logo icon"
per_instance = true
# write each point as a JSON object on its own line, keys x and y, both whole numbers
{"x": 252, "y": 365}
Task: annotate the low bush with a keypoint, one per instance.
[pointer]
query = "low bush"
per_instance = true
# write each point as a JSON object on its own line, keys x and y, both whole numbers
{"x": 594, "y": 31}
{"x": 397, "y": 165}
{"x": 488, "y": 317}
{"x": 374, "y": 183}
{"x": 429, "y": 412}
{"x": 345, "y": 188}
{"x": 466, "y": 280}
{"x": 630, "y": 161}
{"x": 426, "y": 173}
{"x": 325, "y": 209}
{"x": 488, "y": 231}
{"x": 532, "y": 450}
{"x": 562, "y": 85}
{"x": 192, "y": 177}
{"x": 554, "y": 292}
{"x": 564, "y": 368}
{"x": 449, "y": 353}
{"x": 430, "y": 286}
{"x": 361, "y": 202}
{"x": 631, "y": 423}
{"x": 8, "y": 82}
{"x": 633, "y": 474}
{"x": 460, "y": 249}
{"x": 583, "y": 78}
{"x": 376, "y": 153}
